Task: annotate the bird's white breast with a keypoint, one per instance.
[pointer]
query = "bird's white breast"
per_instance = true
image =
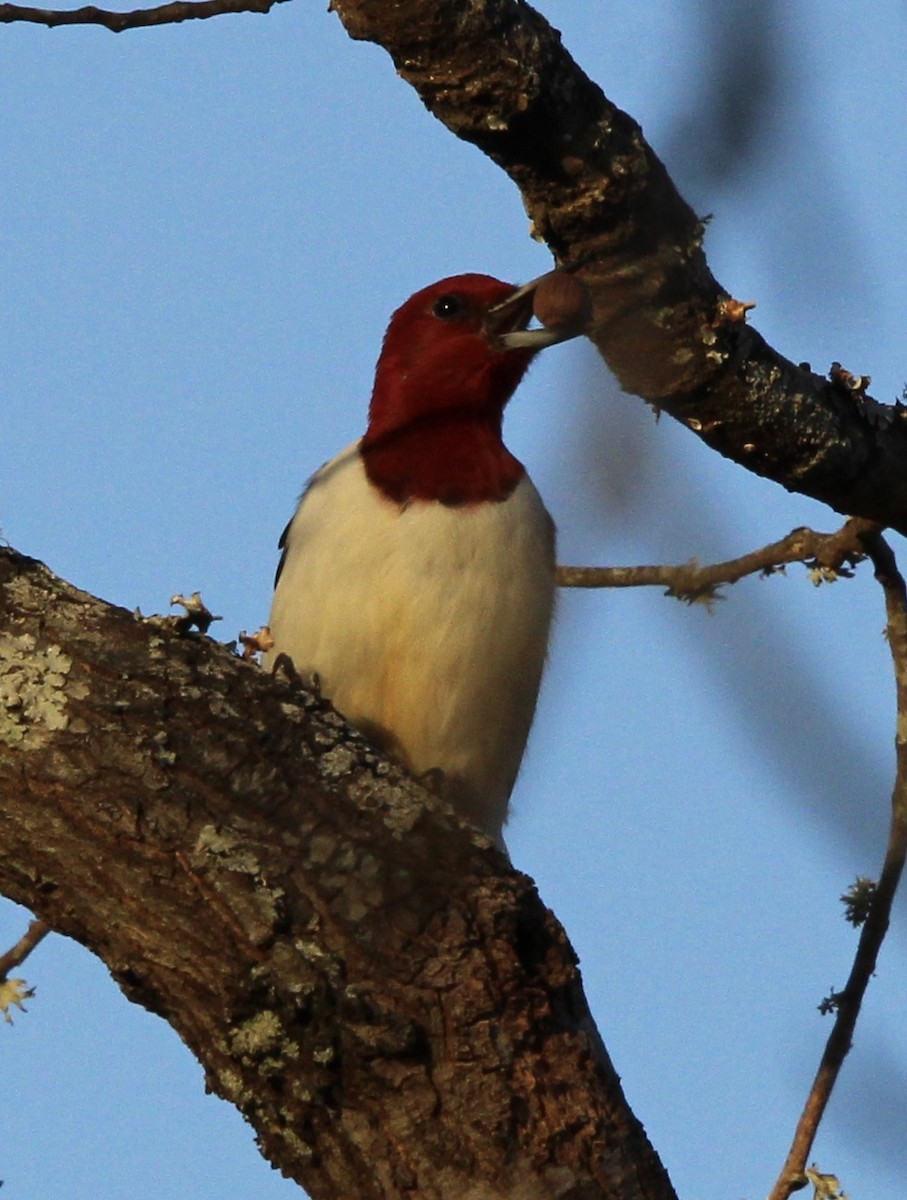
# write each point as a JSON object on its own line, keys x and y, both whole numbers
{"x": 427, "y": 625}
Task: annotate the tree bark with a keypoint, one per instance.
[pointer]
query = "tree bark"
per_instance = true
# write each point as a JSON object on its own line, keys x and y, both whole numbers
{"x": 495, "y": 73}
{"x": 368, "y": 980}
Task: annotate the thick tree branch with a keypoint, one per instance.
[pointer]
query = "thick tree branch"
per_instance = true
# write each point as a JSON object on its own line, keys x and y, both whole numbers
{"x": 386, "y": 1000}
{"x": 497, "y": 75}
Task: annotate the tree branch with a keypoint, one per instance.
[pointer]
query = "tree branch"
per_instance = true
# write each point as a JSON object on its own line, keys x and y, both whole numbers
{"x": 14, "y": 991}
{"x": 35, "y": 934}
{"x": 828, "y": 554}
{"x": 140, "y": 18}
{"x": 878, "y": 900}
{"x": 367, "y": 979}
{"x": 497, "y": 75}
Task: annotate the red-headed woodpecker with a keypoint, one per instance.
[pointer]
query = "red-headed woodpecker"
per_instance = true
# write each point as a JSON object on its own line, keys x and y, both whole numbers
{"x": 417, "y": 577}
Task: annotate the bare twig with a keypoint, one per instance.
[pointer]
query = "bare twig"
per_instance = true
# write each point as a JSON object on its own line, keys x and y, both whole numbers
{"x": 37, "y": 931}
{"x": 847, "y": 1002}
{"x": 164, "y": 14}
{"x": 827, "y": 554}
{"x": 13, "y": 992}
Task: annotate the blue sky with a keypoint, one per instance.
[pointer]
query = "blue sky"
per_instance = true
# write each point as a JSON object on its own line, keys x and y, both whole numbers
{"x": 205, "y": 229}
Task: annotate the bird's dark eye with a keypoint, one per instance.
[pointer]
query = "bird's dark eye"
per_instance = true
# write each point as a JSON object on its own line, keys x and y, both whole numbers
{"x": 448, "y": 307}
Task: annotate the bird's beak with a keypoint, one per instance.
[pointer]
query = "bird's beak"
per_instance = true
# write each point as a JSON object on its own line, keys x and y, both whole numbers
{"x": 508, "y": 320}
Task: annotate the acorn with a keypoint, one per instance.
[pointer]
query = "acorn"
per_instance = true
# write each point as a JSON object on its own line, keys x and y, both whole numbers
{"x": 562, "y": 301}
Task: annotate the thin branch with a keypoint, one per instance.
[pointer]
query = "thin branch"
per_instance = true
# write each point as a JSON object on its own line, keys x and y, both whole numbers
{"x": 164, "y": 14}
{"x": 847, "y": 1003}
{"x": 14, "y": 992}
{"x": 828, "y": 554}
{"x": 37, "y": 931}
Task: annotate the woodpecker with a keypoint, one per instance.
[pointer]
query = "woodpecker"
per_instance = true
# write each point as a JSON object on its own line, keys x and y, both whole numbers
{"x": 416, "y": 583}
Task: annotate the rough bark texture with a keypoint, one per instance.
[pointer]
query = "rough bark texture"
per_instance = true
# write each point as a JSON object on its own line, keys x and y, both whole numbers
{"x": 497, "y": 75}
{"x": 388, "y": 1002}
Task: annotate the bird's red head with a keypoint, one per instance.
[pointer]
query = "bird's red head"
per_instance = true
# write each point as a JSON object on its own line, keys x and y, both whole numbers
{"x": 452, "y": 357}
{"x": 443, "y": 356}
